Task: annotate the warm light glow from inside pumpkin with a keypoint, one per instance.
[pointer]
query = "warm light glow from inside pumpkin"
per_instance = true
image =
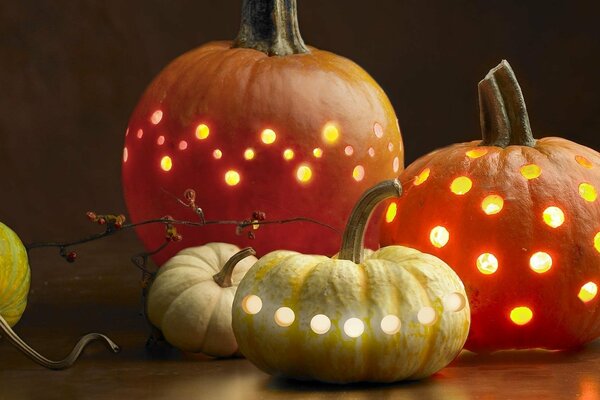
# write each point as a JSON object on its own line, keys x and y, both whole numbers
{"x": 140, "y": 133}
{"x": 492, "y": 204}
{"x": 249, "y": 154}
{"x": 217, "y": 154}
{"x": 331, "y": 133}
{"x": 396, "y": 164}
{"x": 304, "y": 173}
{"x": 202, "y": 131}
{"x": 390, "y": 214}
{"x": 455, "y": 302}
{"x": 284, "y": 316}
{"x": 232, "y": 177}
{"x": 584, "y": 162}
{"x": 461, "y": 185}
{"x": 390, "y": 146}
{"x": 183, "y": 145}
{"x": 358, "y": 173}
{"x": 427, "y": 316}
{"x": 390, "y": 324}
{"x": 597, "y": 242}
{"x": 160, "y": 140}
{"x": 531, "y": 171}
{"x": 587, "y": 192}
{"x": 166, "y": 163}
{"x": 354, "y": 327}
{"x": 156, "y": 117}
{"x": 268, "y": 136}
{"x": 252, "y": 304}
{"x": 349, "y": 150}
{"x": 521, "y": 315}
{"x": 320, "y": 324}
{"x": 125, "y": 154}
{"x": 553, "y": 216}
{"x": 371, "y": 152}
{"x": 540, "y": 262}
{"x": 288, "y": 154}
{"x": 318, "y": 152}
{"x": 378, "y": 129}
{"x": 439, "y": 236}
{"x": 487, "y": 263}
{"x": 476, "y": 153}
{"x": 422, "y": 177}
{"x": 588, "y": 292}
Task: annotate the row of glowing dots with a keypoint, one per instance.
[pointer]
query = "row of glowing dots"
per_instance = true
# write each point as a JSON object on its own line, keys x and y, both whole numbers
{"x": 354, "y": 327}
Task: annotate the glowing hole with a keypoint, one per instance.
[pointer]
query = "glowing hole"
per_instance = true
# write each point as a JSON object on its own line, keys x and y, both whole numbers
{"x": 422, "y": 177}
{"x": 268, "y": 136}
{"x": 232, "y": 177}
{"x": 396, "y": 164}
{"x": 584, "y": 162}
{"x": 330, "y": 133}
{"x": 597, "y": 242}
{"x": 320, "y": 324}
{"x": 390, "y": 324}
{"x": 183, "y": 145}
{"x": 288, "y": 154}
{"x": 588, "y": 292}
{"x": 427, "y": 316}
{"x": 461, "y": 185}
{"x": 251, "y": 304}
{"x": 439, "y": 236}
{"x": 358, "y": 173}
{"x": 390, "y": 214}
{"x": 587, "y": 192}
{"x": 371, "y": 152}
{"x": 487, "y": 263}
{"x": 304, "y": 173}
{"x": 455, "y": 302}
{"x": 156, "y": 117}
{"x": 140, "y": 133}
{"x": 540, "y": 262}
{"x": 354, "y": 327}
{"x": 202, "y": 131}
{"x": 530, "y": 171}
{"x": 521, "y": 315}
{"x": 553, "y": 216}
{"x": 217, "y": 154}
{"x": 160, "y": 140}
{"x": 476, "y": 153}
{"x": 125, "y": 154}
{"x": 391, "y": 146}
{"x": 249, "y": 154}
{"x": 492, "y": 204}
{"x": 318, "y": 152}
{"x": 349, "y": 150}
{"x": 378, "y": 130}
{"x": 166, "y": 163}
{"x": 284, "y": 316}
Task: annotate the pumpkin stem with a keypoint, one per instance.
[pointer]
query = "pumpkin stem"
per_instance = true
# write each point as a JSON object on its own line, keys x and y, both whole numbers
{"x": 16, "y": 341}
{"x": 354, "y": 234}
{"x": 223, "y": 278}
{"x": 270, "y": 26}
{"x": 502, "y": 111}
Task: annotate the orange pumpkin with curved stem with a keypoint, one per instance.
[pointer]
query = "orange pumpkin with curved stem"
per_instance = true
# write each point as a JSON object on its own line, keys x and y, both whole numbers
{"x": 262, "y": 123}
{"x": 519, "y": 221}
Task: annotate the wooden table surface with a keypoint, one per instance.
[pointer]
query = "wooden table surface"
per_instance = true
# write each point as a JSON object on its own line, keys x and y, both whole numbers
{"x": 101, "y": 292}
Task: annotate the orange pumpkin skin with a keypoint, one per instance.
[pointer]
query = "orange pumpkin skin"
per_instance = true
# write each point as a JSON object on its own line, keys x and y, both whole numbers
{"x": 237, "y": 93}
{"x": 513, "y": 233}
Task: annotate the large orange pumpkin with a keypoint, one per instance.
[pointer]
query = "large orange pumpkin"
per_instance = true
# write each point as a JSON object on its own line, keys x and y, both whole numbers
{"x": 519, "y": 221}
{"x": 263, "y": 123}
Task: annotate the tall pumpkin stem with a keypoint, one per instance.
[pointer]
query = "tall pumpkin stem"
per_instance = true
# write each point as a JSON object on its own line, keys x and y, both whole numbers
{"x": 502, "y": 111}
{"x": 270, "y": 26}
{"x": 16, "y": 341}
{"x": 354, "y": 234}
{"x": 223, "y": 278}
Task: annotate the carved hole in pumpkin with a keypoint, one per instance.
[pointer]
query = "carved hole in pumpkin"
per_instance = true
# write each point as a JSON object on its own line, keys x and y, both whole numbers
{"x": 588, "y": 292}
{"x": 427, "y": 316}
{"x": 390, "y": 324}
{"x": 349, "y": 150}
{"x": 354, "y": 327}
{"x": 268, "y": 136}
{"x": 587, "y": 192}
{"x": 492, "y": 204}
{"x": 320, "y": 324}
{"x": 455, "y": 302}
{"x": 439, "y": 236}
{"x": 251, "y": 304}
{"x": 390, "y": 213}
{"x": 284, "y": 317}
{"x": 160, "y": 140}
{"x": 530, "y": 171}
{"x": 288, "y": 154}
{"x": 378, "y": 129}
{"x": 396, "y": 164}
{"x": 249, "y": 154}
{"x": 358, "y": 173}
{"x": 304, "y": 173}
{"x": 140, "y": 133}
{"x": 422, "y": 177}
{"x": 553, "y": 216}
{"x": 581, "y": 160}
{"x": 476, "y": 153}
{"x": 232, "y": 177}
{"x": 521, "y": 315}
{"x": 183, "y": 145}
{"x": 318, "y": 152}
{"x": 202, "y": 131}
{"x": 156, "y": 117}
{"x": 331, "y": 133}
{"x": 597, "y": 242}
{"x": 487, "y": 263}
{"x": 540, "y": 262}
{"x": 166, "y": 163}
{"x": 217, "y": 154}
{"x": 125, "y": 154}
{"x": 390, "y": 146}
{"x": 371, "y": 152}
{"x": 461, "y": 185}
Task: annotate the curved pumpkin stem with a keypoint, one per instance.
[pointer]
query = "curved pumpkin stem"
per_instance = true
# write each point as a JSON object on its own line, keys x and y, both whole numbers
{"x": 16, "y": 341}
{"x": 354, "y": 234}
{"x": 270, "y": 26}
{"x": 223, "y": 278}
{"x": 502, "y": 111}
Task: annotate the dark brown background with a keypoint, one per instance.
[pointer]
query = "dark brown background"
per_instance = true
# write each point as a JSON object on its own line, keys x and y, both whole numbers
{"x": 72, "y": 71}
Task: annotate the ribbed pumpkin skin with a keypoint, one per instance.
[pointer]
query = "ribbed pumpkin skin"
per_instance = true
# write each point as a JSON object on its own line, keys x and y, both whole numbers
{"x": 189, "y": 307}
{"x": 394, "y": 280}
{"x": 14, "y": 276}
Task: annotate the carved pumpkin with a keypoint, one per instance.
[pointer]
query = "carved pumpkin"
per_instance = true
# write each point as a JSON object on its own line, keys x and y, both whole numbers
{"x": 394, "y": 314}
{"x": 191, "y": 296}
{"x": 263, "y": 123}
{"x": 519, "y": 221}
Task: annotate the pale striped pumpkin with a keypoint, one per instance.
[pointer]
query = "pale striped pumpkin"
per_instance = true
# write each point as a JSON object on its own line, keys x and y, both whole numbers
{"x": 14, "y": 276}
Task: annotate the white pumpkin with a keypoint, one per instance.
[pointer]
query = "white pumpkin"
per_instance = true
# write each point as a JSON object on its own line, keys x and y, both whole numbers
{"x": 192, "y": 294}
